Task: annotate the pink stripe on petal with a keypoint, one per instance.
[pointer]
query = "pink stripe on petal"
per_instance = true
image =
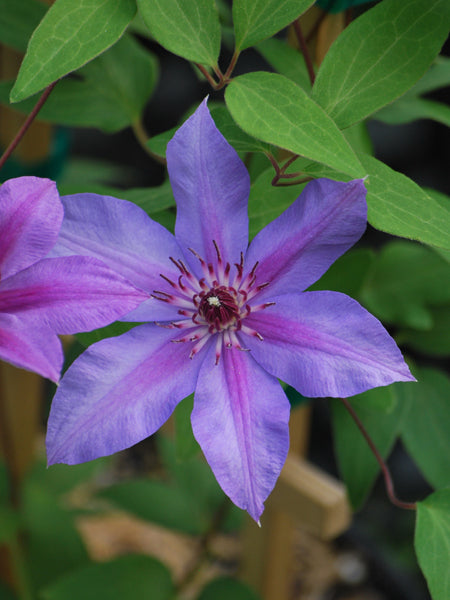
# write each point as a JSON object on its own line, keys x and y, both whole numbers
{"x": 30, "y": 217}
{"x": 298, "y": 247}
{"x": 35, "y": 348}
{"x": 118, "y": 392}
{"x": 211, "y": 187}
{"x": 325, "y": 344}
{"x": 69, "y": 294}
{"x": 240, "y": 419}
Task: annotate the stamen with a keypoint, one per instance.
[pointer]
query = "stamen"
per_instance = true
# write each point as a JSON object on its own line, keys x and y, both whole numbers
{"x": 169, "y": 281}
{"x": 219, "y": 258}
{"x": 235, "y": 342}
{"x": 184, "y": 324}
{"x": 199, "y": 345}
{"x": 252, "y": 332}
{"x": 219, "y": 344}
{"x": 262, "y": 306}
{"x": 170, "y": 299}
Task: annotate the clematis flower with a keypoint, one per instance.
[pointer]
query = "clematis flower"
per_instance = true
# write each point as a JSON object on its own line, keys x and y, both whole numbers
{"x": 42, "y": 297}
{"x": 224, "y": 320}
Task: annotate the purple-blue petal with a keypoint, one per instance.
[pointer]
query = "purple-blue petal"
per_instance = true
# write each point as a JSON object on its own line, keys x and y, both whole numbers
{"x": 30, "y": 217}
{"x": 69, "y": 294}
{"x": 30, "y": 346}
{"x": 325, "y": 344}
{"x": 120, "y": 234}
{"x": 301, "y": 244}
{"x": 211, "y": 187}
{"x": 240, "y": 420}
{"x": 118, "y": 392}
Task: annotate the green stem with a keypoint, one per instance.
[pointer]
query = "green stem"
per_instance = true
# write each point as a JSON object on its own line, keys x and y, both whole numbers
{"x": 142, "y": 138}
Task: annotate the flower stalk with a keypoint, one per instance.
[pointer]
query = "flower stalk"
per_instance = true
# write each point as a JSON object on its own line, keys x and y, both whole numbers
{"x": 28, "y": 121}
{"x": 384, "y": 468}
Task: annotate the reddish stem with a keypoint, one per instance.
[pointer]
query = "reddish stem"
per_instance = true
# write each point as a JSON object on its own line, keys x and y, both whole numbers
{"x": 305, "y": 51}
{"x": 231, "y": 66}
{"x": 288, "y": 163}
{"x": 212, "y": 82}
{"x": 384, "y": 468}
{"x": 279, "y": 183}
{"x": 22, "y": 131}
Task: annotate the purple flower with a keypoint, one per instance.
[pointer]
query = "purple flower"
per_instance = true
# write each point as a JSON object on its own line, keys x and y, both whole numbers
{"x": 42, "y": 297}
{"x": 230, "y": 320}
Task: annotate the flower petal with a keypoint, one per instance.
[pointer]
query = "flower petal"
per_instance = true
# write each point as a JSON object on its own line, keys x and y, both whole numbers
{"x": 120, "y": 234}
{"x": 240, "y": 419}
{"x": 30, "y": 217}
{"x": 118, "y": 392}
{"x": 31, "y": 347}
{"x": 301, "y": 244}
{"x": 325, "y": 344}
{"x": 69, "y": 294}
{"x": 211, "y": 187}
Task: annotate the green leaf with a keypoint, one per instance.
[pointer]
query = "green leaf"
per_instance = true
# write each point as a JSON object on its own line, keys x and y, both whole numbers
{"x": 285, "y": 60}
{"x": 59, "y": 479}
{"x": 359, "y": 138}
{"x": 437, "y": 76}
{"x": 152, "y": 199}
{"x": 267, "y": 202}
{"x": 379, "y": 56}
{"x": 195, "y": 480}
{"x": 158, "y": 502}
{"x": 19, "y": 19}
{"x": 381, "y": 411}
{"x": 9, "y": 524}
{"x": 413, "y": 108}
{"x": 185, "y": 443}
{"x": 158, "y": 143}
{"x": 240, "y": 140}
{"x": 256, "y": 20}
{"x": 347, "y": 274}
{"x": 70, "y": 35}
{"x": 110, "y": 94}
{"x": 225, "y": 588}
{"x": 399, "y": 206}
{"x": 405, "y": 280}
{"x": 114, "y": 329}
{"x": 434, "y": 341}
{"x": 274, "y": 109}
{"x": 189, "y": 29}
{"x": 135, "y": 577}
{"x": 426, "y": 426}
{"x": 81, "y": 174}
{"x": 432, "y": 542}
{"x": 53, "y": 543}
{"x": 6, "y": 593}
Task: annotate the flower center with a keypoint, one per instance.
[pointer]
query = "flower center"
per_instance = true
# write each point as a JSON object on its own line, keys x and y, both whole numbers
{"x": 217, "y": 303}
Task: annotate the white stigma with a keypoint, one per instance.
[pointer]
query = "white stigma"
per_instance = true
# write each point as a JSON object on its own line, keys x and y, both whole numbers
{"x": 214, "y": 301}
